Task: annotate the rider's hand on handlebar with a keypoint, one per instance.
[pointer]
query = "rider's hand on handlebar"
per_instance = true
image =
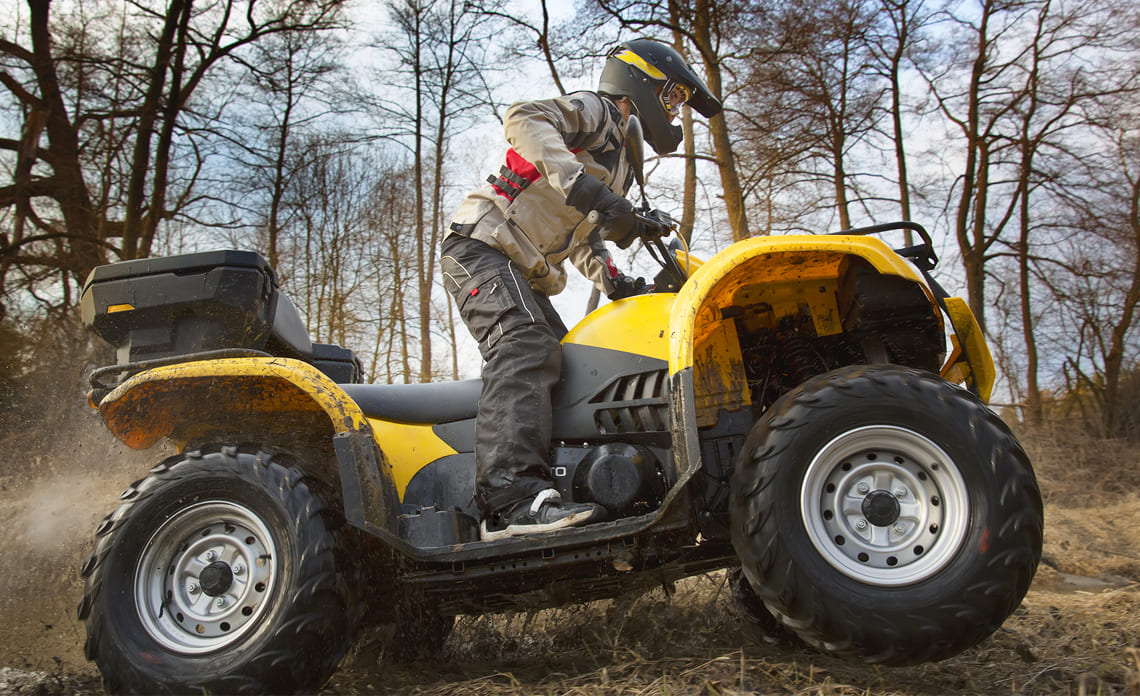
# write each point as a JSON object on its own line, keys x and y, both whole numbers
{"x": 625, "y": 286}
{"x": 619, "y": 223}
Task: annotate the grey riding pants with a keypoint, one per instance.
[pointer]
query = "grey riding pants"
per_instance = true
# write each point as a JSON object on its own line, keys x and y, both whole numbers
{"x": 519, "y": 335}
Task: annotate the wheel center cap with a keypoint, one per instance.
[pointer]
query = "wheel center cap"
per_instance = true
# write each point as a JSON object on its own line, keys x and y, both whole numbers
{"x": 216, "y": 578}
{"x": 881, "y": 508}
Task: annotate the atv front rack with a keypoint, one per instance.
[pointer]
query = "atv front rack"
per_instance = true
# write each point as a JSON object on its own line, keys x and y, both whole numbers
{"x": 922, "y": 255}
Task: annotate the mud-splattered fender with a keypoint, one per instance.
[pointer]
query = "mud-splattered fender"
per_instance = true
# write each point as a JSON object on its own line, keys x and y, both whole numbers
{"x": 276, "y": 402}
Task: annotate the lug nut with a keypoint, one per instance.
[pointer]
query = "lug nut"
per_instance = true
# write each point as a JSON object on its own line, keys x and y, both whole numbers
{"x": 238, "y": 569}
{"x": 220, "y": 601}
{"x": 863, "y": 488}
{"x": 861, "y": 525}
{"x": 210, "y": 555}
{"x": 900, "y": 492}
{"x": 192, "y": 588}
{"x": 899, "y": 528}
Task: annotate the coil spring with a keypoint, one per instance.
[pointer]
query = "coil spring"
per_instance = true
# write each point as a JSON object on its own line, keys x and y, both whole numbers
{"x": 801, "y": 362}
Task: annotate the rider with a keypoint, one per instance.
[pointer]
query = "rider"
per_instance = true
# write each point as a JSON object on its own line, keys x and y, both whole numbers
{"x": 502, "y": 259}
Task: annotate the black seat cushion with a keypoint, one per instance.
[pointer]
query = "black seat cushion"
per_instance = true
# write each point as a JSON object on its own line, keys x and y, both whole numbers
{"x": 430, "y": 402}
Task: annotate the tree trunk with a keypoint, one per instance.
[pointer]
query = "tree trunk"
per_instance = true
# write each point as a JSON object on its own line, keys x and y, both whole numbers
{"x": 970, "y": 245}
{"x": 423, "y": 289}
{"x": 1032, "y": 389}
{"x": 689, "y": 183}
{"x": 83, "y": 249}
{"x": 1114, "y": 358}
{"x": 896, "y": 60}
{"x": 148, "y": 116}
{"x": 840, "y": 183}
{"x": 718, "y": 125}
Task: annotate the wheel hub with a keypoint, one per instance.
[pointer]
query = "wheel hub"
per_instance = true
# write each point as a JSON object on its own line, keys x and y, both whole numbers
{"x": 205, "y": 577}
{"x": 884, "y": 505}
{"x": 216, "y": 578}
{"x": 881, "y": 508}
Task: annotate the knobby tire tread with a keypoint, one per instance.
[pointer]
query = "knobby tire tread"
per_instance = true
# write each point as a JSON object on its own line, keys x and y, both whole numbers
{"x": 312, "y": 627}
{"x": 812, "y": 606}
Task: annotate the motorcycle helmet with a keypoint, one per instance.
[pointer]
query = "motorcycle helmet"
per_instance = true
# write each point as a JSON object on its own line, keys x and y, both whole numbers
{"x": 658, "y": 81}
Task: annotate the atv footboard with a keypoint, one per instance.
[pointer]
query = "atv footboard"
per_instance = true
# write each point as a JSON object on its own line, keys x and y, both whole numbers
{"x": 595, "y": 562}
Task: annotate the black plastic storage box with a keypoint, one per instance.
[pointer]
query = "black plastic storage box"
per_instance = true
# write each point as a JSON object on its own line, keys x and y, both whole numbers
{"x": 173, "y": 306}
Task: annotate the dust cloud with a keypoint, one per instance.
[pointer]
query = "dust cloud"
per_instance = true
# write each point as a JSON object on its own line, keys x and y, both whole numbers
{"x": 58, "y": 478}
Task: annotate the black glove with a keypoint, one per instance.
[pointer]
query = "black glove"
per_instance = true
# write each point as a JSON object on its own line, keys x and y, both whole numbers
{"x": 625, "y": 286}
{"x": 618, "y": 222}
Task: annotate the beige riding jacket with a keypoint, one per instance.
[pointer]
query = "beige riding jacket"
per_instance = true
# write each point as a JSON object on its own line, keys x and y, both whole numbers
{"x": 522, "y": 211}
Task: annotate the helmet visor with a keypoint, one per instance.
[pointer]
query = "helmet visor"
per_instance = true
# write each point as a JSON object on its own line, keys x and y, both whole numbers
{"x": 673, "y": 96}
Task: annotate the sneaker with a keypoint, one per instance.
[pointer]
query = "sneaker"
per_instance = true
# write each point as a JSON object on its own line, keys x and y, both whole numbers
{"x": 544, "y": 513}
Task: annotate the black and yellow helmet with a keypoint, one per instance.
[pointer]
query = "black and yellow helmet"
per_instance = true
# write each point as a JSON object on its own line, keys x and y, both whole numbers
{"x": 658, "y": 81}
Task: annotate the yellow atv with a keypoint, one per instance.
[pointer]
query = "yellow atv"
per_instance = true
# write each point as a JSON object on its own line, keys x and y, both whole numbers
{"x": 790, "y": 407}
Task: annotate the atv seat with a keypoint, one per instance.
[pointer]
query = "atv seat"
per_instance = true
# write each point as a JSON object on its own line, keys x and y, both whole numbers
{"x": 430, "y": 402}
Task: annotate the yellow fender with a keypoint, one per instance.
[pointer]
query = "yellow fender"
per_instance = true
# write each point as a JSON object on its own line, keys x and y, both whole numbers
{"x": 281, "y": 402}
{"x": 184, "y": 401}
{"x": 767, "y": 260}
{"x": 971, "y": 361}
{"x": 702, "y": 346}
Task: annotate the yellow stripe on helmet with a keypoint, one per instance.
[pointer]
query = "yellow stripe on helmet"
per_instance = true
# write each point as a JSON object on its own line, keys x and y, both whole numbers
{"x": 628, "y": 56}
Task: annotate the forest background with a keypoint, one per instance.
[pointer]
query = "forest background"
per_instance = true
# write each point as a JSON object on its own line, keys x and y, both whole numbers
{"x": 336, "y": 138}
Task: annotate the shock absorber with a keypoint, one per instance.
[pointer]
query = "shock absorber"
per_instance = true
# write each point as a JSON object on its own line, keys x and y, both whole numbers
{"x": 800, "y": 360}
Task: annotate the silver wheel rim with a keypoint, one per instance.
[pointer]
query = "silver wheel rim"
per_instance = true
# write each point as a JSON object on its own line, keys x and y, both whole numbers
{"x": 884, "y": 505}
{"x": 205, "y": 577}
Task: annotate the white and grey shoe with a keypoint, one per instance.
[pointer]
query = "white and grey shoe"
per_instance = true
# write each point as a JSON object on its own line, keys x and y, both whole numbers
{"x": 544, "y": 513}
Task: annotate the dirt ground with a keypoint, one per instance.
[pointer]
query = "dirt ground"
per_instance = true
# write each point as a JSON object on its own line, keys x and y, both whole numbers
{"x": 1077, "y": 632}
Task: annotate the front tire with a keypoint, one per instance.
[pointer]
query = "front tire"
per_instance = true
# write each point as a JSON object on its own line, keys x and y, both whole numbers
{"x": 221, "y": 572}
{"x": 886, "y": 515}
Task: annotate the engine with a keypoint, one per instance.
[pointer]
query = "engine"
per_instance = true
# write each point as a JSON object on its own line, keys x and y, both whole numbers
{"x": 623, "y": 478}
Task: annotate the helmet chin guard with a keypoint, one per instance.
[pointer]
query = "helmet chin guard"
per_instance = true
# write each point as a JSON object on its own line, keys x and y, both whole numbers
{"x": 652, "y": 75}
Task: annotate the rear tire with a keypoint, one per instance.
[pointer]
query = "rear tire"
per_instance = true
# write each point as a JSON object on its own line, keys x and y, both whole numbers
{"x": 221, "y": 572}
{"x": 884, "y": 514}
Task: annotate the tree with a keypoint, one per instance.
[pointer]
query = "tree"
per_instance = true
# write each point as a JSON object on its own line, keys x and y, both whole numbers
{"x": 1101, "y": 296}
{"x": 1046, "y": 110}
{"x": 438, "y": 51}
{"x": 290, "y": 93}
{"x": 816, "y": 69}
{"x": 1026, "y": 109}
{"x": 986, "y": 47}
{"x": 900, "y": 26}
{"x": 541, "y": 32}
{"x": 124, "y": 121}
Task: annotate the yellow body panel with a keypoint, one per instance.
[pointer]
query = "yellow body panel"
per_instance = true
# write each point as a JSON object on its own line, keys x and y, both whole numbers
{"x": 718, "y": 374}
{"x": 688, "y": 263}
{"x": 782, "y": 272}
{"x": 634, "y": 325}
{"x": 971, "y": 361}
{"x": 408, "y": 448}
{"x": 180, "y": 400}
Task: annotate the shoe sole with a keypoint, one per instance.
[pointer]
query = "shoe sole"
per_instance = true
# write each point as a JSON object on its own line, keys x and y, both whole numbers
{"x": 515, "y": 530}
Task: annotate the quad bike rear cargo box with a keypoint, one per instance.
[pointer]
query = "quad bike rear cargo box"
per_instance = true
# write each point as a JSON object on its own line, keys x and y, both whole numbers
{"x": 151, "y": 309}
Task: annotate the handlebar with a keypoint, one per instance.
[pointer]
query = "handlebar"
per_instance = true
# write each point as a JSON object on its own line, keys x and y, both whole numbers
{"x": 654, "y": 225}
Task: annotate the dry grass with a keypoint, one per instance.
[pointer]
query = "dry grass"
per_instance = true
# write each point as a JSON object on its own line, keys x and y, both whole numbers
{"x": 1058, "y": 642}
